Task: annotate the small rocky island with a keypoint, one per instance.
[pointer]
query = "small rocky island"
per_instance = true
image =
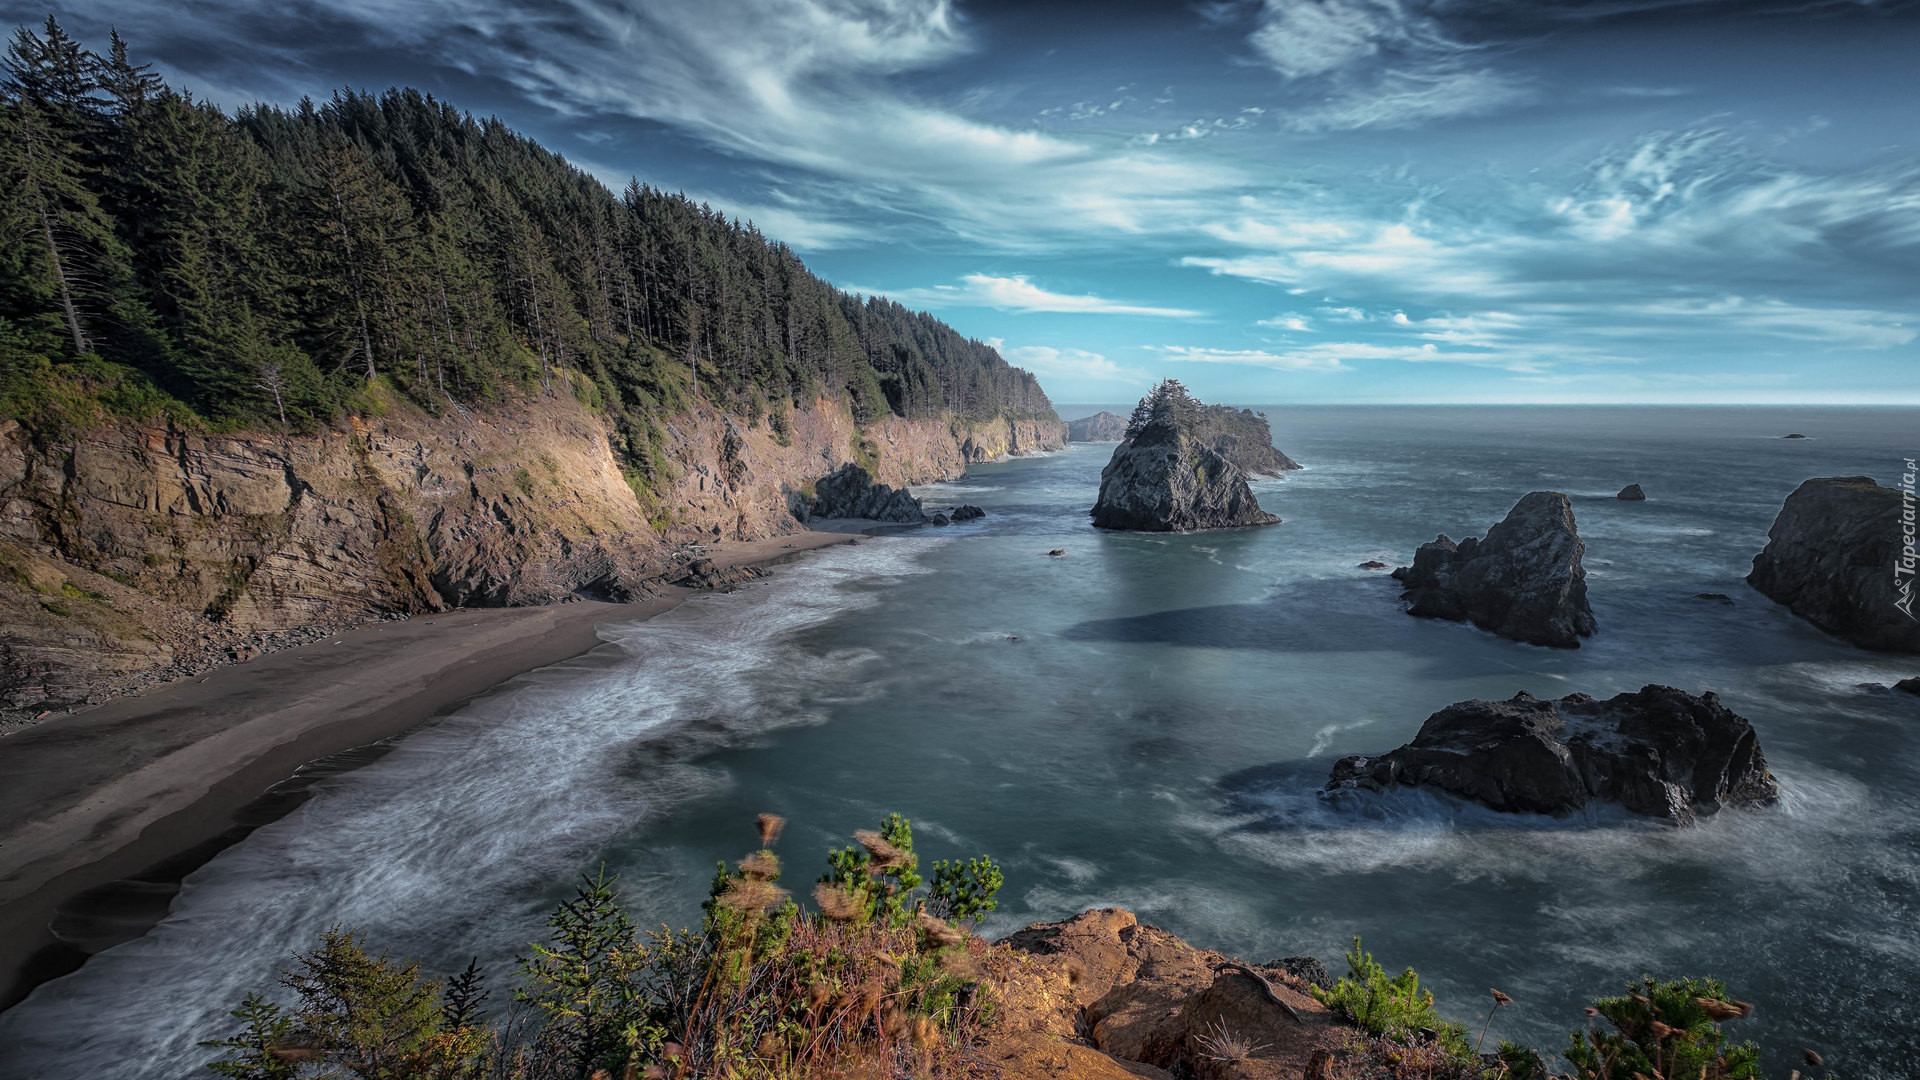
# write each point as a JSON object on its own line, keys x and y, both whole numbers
{"x": 1659, "y": 751}
{"x": 1100, "y": 427}
{"x": 1184, "y": 467}
{"x": 1524, "y": 581}
{"x": 1833, "y": 557}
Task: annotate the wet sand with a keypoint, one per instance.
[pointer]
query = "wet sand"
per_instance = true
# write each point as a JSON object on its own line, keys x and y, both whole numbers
{"x": 103, "y": 812}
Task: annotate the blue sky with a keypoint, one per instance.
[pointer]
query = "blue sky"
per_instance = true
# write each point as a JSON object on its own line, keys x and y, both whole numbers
{"x": 1278, "y": 201}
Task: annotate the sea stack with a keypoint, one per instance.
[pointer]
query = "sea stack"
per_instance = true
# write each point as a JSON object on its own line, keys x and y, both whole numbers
{"x": 1660, "y": 752}
{"x": 1836, "y": 557}
{"x": 1169, "y": 477}
{"x": 1524, "y": 581}
{"x": 850, "y": 492}
{"x": 1100, "y": 427}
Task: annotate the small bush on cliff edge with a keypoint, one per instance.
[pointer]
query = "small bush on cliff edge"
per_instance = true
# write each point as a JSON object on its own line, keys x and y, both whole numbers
{"x": 763, "y": 989}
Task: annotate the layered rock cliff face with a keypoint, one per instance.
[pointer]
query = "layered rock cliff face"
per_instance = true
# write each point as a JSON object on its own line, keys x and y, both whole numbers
{"x": 1167, "y": 481}
{"x": 1100, "y": 427}
{"x": 1836, "y": 556}
{"x": 1524, "y": 581}
{"x": 141, "y": 552}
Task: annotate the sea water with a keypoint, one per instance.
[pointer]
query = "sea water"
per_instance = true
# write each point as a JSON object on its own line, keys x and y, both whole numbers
{"x": 1145, "y": 722}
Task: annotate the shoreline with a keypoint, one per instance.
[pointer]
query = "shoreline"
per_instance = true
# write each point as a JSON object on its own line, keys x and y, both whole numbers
{"x": 104, "y": 812}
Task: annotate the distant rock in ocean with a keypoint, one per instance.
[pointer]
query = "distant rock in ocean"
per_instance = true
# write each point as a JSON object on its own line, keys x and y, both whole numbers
{"x": 1176, "y": 471}
{"x": 968, "y": 512}
{"x": 1796, "y": 435}
{"x": 1716, "y": 597}
{"x": 1908, "y": 686}
{"x": 1100, "y": 427}
{"x": 1632, "y": 493}
{"x": 850, "y": 492}
{"x": 1659, "y": 751}
{"x": 1831, "y": 558}
{"x": 1524, "y": 581}
{"x": 1373, "y": 564}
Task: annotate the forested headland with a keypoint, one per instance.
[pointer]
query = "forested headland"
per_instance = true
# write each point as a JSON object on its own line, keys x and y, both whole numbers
{"x": 267, "y": 268}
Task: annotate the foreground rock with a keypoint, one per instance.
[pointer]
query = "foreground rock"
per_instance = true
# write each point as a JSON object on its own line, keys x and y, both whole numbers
{"x": 1660, "y": 752}
{"x": 1524, "y": 581}
{"x": 1834, "y": 557}
{"x": 1100, "y": 427}
{"x": 1167, "y": 478}
{"x": 851, "y": 492}
{"x": 1103, "y": 996}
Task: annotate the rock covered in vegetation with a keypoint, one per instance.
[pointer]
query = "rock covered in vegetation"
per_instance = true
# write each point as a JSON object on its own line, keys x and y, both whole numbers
{"x": 851, "y": 492}
{"x": 1167, "y": 478}
{"x": 1834, "y": 557}
{"x": 1658, "y": 751}
{"x": 1100, "y": 427}
{"x": 1524, "y": 581}
{"x": 1632, "y": 493}
{"x": 1243, "y": 437}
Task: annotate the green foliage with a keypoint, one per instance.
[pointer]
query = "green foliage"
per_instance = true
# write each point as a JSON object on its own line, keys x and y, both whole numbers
{"x": 375, "y": 1015}
{"x": 584, "y": 980}
{"x": 1664, "y": 1029}
{"x": 251, "y": 1052}
{"x": 963, "y": 892}
{"x": 880, "y": 871}
{"x": 265, "y": 267}
{"x": 1392, "y": 1007}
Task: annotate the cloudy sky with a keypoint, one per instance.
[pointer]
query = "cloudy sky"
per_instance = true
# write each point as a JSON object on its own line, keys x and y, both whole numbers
{"x": 1273, "y": 200}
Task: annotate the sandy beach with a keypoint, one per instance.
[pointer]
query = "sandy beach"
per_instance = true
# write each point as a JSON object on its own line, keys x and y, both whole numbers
{"x": 102, "y": 812}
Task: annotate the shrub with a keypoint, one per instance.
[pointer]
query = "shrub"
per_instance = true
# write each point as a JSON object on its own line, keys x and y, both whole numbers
{"x": 1665, "y": 1029}
{"x": 1392, "y": 1007}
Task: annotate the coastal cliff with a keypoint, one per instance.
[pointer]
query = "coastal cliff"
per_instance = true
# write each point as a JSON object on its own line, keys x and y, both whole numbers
{"x": 135, "y": 553}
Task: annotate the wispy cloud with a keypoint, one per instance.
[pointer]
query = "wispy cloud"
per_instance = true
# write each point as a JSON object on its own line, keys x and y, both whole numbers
{"x": 1319, "y": 358}
{"x": 1078, "y": 364}
{"x": 1017, "y": 293}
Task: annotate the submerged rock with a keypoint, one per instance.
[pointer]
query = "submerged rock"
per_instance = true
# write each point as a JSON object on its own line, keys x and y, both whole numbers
{"x": 1716, "y": 597}
{"x": 1632, "y": 493}
{"x": 968, "y": 513}
{"x": 1100, "y": 427}
{"x": 1833, "y": 558}
{"x": 1524, "y": 581}
{"x": 1167, "y": 478}
{"x": 1793, "y": 436}
{"x": 1659, "y": 751}
{"x": 850, "y": 492}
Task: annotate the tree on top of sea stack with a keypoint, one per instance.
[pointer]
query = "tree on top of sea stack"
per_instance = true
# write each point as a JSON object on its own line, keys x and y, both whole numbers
{"x": 1176, "y": 473}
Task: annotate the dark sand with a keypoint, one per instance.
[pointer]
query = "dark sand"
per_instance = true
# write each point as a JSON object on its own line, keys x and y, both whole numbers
{"x": 103, "y": 812}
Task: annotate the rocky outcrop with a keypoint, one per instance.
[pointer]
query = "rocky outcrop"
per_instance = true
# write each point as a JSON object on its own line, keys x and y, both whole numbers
{"x": 1103, "y": 995}
{"x": 1632, "y": 493}
{"x": 1173, "y": 475}
{"x": 1660, "y": 752}
{"x": 1242, "y": 437}
{"x": 135, "y": 553}
{"x": 1837, "y": 556}
{"x": 851, "y": 492}
{"x": 1524, "y": 581}
{"x": 968, "y": 512}
{"x": 1100, "y": 427}
{"x": 704, "y": 574}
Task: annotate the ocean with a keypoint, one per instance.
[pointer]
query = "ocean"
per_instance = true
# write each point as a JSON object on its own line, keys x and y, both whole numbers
{"x": 1144, "y": 722}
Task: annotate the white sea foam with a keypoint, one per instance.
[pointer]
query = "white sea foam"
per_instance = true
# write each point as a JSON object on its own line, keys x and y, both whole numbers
{"x": 448, "y": 845}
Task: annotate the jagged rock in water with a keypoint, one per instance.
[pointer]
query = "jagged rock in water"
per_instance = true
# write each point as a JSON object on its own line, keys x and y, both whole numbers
{"x": 1169, "y": 478}
{"x": 1373, "y": 564}
{"x": 1908, "y": 686}
{"x": 1100, "y": 427}
{"x": 1659, "y": 751}
{"x": 968, "y": 513}
{"x": 939, "y": 519}
{"x": 1632, "y": 493}
{"x": 1242, "y": 437}
{"x": 1524, "y": 581}
{"x": 1834, "y": 557}
{"x": 850, "y": 492}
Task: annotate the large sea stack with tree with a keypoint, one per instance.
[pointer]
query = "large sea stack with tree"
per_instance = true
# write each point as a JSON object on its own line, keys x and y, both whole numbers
{"x": 778, "y": 539}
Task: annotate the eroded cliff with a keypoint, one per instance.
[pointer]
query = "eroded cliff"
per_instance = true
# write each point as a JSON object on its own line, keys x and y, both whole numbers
{"x": 136, "y": 553}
